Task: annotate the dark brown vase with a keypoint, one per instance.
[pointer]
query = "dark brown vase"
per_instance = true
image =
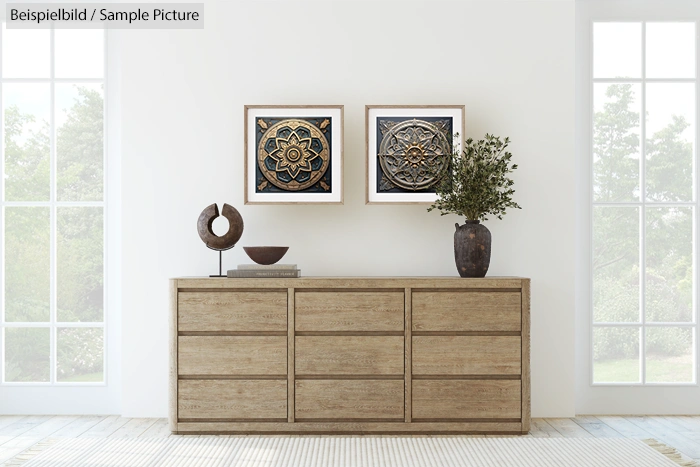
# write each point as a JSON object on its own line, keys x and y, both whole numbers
{"x": 472, "y": 249}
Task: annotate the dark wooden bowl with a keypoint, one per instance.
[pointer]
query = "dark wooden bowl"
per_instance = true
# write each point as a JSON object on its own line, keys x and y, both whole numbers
{"x": 265, "y": 254}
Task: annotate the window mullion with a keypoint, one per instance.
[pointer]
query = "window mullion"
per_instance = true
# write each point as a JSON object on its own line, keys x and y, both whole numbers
{"x": 643, "y": 212}
{"x": 2, "y": 223}
{"x": 53, "y": 214}
{"x": 696, "y": 232}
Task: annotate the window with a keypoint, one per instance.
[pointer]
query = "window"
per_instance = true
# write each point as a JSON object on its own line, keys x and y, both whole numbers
{"x": 644, "y": 203}
{"x": 52, "y": 311}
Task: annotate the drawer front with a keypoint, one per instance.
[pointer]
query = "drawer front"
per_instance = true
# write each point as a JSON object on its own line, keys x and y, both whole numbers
{"x": 453, "y": 399}
{"x": 232, "y": 311}
{"x": 466, "y": 311}
{"x": 349, "y": 355}
{"x": 349, "y": 399}
{"x": 232, "y": 355}
{"x": 210, "y": 399}
{"x": 466, "y": 355}
{"x": 349, "y": 311}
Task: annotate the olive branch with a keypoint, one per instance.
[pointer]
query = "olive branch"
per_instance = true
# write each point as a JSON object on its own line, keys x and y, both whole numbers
{"x": 476, "y": 183}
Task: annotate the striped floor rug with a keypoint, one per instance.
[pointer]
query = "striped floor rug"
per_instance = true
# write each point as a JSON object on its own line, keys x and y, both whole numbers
{"x": 364, "y": 451}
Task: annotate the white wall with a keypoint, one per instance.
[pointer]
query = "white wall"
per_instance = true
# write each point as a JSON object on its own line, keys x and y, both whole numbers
{"x": 510, "y": 63}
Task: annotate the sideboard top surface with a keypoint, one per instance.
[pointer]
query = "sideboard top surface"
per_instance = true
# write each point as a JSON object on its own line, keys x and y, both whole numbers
{"x": 352, "y": 282}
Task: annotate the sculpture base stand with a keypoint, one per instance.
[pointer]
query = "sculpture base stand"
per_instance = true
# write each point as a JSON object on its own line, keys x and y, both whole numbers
{"x": 220, "y": 271}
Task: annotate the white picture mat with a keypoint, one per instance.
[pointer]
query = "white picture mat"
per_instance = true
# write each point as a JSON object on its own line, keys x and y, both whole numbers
{"x": 377, "y": 112}
{"x": 336, "y": 155}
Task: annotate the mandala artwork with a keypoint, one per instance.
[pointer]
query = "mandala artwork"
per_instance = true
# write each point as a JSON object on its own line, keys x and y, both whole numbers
{"x": 412, "y": 153}
{"x": 293, "y": 154}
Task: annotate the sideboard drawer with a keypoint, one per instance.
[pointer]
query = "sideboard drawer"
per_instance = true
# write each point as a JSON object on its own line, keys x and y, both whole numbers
{"x": 349, "y": 311}
{"x": 466, "y": 355}
{"x": 349, "y": 355}
{"x": 229, "y": 399}
{"x": 349, "y": 399}
{"x": 232, "y": 355}
{"x": 453, "y": 399}
{"x": 232, "y": 311}
{"x": 466, "y": 311}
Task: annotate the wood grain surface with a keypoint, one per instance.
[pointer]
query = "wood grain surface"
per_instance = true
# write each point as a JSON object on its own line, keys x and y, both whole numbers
{"x": 407, "y": 365}
{"x": 525, "y": 371}
{"x": 350, "y": 355}
{"x": 232, "y": 311}
{"x": 173, "y": 367}
{"x": 347, "y": 355}
{"x": 466, "y": 355}
{"x": 232, "y": 355}
{"x": 466, "y": 311}
{"x": 456, "y": 399}
{"x": 213, "y": 399}
{"x": 349, "y": 311}
{"x": 339, "y": 427}
{"x": 290, "y": 354}
{"x": 350, "y": 283}
{"x": 349, "y": 399}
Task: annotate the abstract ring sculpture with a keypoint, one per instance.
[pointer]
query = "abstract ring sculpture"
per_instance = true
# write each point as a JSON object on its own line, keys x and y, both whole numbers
{"x": 226, "y": 241}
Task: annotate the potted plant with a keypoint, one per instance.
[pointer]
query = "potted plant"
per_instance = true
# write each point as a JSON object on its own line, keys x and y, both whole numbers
{"x": 475, "y": 186}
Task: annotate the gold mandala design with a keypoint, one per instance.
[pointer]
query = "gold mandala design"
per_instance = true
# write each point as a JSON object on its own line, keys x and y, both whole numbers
{"x": 293, "y": 154}
{"x": 414, "y": 154}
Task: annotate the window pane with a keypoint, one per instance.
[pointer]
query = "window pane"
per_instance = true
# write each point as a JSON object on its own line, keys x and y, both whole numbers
{"x": 617, "y": 50}
{"x": 616, "y": 136}
{"x": 670, "y": 140}
{"x": 27, "y": 354}
{"x": 79, "y": 142}
{"x": 669, "y": 265}
{"x": 27, "y": 147}
{"x": 80, "y": 355}
{"x": 26, "y": 53}
{"x": 79, "y": 245}
{"x": 79, "y": 53}
{"x": 27, "y": 264}
{"x": 670, "y": 50}
{"x": 615, "y": 355}
{"x": 669, "y": 355}
{"x": 615, "y": 264}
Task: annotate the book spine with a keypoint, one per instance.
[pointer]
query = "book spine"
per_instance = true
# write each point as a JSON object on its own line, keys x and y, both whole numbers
{"x": 264, "y": 273}
{"x": 265, "y": 267}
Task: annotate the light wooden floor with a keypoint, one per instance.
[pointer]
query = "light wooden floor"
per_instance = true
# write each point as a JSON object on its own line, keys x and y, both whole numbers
{"x": 18, "y": 433}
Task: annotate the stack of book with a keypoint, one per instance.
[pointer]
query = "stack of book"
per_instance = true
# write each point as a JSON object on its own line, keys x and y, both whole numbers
{"x": 261, "y": 270}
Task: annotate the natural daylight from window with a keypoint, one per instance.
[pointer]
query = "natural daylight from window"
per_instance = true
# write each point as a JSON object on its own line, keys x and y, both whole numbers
{"x": 644, "y": 202}
{"x": 53, "y": 206}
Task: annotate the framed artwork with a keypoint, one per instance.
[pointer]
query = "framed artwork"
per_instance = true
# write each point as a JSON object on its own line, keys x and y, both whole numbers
{"x": 293, "y": 154}
{"x": 408, "y": 148}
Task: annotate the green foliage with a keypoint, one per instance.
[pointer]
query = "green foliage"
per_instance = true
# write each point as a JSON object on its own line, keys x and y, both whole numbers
{"x": 477, "y": 184}
{"x": 28, "y": 352}
{"x": 27, "y": 149}
{"x": 79, "y": 353}
{"x": 668, "y": 273}
{"x": 79, "y": 240}
{"x": 670, "y": 178}
{"x": 616, "y": 147}
{"x": 79, "y": 148}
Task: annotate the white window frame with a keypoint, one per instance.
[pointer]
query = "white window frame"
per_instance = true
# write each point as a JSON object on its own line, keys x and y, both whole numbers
{"x": 641, "y": 397}
{"x": 76, "y": 397}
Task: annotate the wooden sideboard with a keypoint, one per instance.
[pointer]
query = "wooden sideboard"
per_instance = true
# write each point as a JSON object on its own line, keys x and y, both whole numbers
{"x": 350, "y": 355}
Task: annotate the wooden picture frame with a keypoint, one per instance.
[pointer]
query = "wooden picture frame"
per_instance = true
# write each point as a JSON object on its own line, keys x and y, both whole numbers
{"x": 390, "y": 129}
{"x": 293, "y": 154}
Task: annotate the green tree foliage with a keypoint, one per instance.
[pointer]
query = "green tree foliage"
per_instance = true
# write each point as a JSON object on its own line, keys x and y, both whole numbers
{"x": 616, "y": 147}
{"x": 669, "y": 164}
{"x": 27, "y": 149}
{"x": 79, "y": 239}
{"x": 477, "y": 184}
{"x": 79, "y": 149}
{"x": 616, "y": 266}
